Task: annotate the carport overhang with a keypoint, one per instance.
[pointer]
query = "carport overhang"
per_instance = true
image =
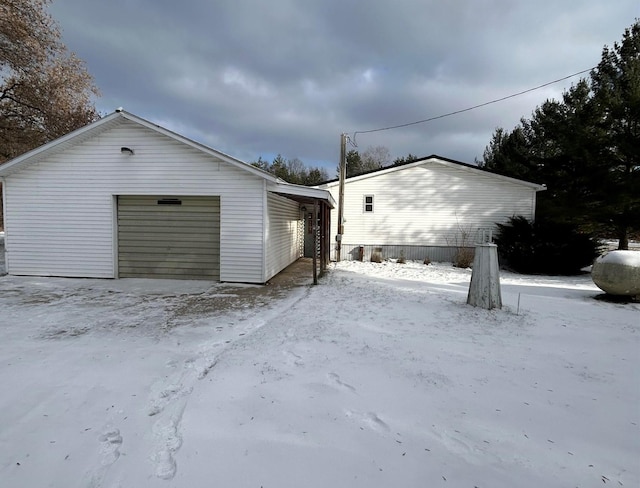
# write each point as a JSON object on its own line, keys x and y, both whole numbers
{"x": 320, "y": 202}
{"x": 302, "y": 194}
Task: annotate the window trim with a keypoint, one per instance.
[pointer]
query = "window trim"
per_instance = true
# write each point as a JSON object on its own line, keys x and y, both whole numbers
{"x": 366, "y": 204}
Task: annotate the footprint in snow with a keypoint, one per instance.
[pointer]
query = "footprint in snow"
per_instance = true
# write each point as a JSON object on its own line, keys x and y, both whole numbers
{"x": 168, "y": 440}
{"x": 165, "y": 464}
{"x": 110, "y": 442}
{"x": 335, "y": 379}
{"x": 163, "y": 394}
{"x": 293, "y": 358}
{"x": 204, "y": 365}
{"x": 370, "y": 420}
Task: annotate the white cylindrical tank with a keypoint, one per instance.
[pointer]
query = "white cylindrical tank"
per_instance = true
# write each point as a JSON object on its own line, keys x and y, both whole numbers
{"x": 618, "y": 273}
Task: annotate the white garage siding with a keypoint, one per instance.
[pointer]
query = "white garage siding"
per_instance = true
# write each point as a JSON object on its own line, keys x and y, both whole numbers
{"x": 282, "y": 235}
{"x": 429, "y": 204}
{"x": 50, "y": 242}
{"x": 62, "y": 210}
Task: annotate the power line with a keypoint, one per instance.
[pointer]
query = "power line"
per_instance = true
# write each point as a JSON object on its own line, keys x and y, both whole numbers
{"x": 470, "y": 108}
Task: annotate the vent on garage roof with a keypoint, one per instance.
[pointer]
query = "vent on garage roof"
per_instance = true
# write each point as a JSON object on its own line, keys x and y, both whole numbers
{"x": 169, "y": 201}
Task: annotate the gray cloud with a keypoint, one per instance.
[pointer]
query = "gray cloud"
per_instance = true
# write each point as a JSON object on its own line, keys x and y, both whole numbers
{"x": 254, "y": 78}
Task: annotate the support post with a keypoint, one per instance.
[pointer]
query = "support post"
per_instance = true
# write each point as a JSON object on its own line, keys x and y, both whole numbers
{"x": 342, "y": 175}
{"x": 323, "y": 243}
{"x": 316, "y": 233}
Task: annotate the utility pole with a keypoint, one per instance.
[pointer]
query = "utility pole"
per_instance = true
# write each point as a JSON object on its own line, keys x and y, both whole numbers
{"x": 342, "y": 176}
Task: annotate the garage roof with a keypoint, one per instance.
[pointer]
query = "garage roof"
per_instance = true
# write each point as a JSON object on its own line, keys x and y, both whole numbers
{"x": 277, "y": 185}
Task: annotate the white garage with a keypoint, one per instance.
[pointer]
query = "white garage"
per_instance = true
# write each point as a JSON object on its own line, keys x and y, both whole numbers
{"x": 123, "y": 197}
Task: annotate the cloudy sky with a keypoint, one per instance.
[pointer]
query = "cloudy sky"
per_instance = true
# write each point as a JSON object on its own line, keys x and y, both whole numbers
{"x": 257, "y": 78}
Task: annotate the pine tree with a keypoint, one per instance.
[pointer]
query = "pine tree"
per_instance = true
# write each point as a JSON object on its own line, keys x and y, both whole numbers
{"x": 584, "y": 147}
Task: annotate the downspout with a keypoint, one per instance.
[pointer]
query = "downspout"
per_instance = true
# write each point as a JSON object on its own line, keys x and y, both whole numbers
{"x": 265, "y": 217}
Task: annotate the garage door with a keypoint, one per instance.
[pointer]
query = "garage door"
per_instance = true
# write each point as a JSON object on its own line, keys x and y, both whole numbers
{"x": 169, "y": 237}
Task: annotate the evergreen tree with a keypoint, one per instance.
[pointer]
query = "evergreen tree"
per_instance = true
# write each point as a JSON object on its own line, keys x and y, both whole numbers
{"x": 315, "y": 176}
{"x": 263, "y": 164}
{"x": 584, "y": 147}
{"x": 354, "y": 163}
{"x": 279, "y": 168}
{"x": 616, "y": 86}
{"x": 404, "y": 160}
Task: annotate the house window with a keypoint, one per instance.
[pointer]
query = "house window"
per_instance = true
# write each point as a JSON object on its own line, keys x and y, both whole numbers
{"x": 368, "y": 203}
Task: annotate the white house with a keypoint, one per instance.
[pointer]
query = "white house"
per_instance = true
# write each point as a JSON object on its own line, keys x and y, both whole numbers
{"x": 426, "y": 208}
{"x": 123, "y": 197}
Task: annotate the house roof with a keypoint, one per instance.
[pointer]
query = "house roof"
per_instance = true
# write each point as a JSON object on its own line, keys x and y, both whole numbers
{"x": 433, "y": 159}
{"x": 119, "y": 116}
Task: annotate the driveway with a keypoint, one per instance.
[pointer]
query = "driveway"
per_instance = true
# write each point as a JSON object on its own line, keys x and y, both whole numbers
{"x": 297, "y": 274}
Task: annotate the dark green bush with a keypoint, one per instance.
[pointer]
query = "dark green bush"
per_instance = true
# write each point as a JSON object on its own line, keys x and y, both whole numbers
{"x": 545, "y": 247}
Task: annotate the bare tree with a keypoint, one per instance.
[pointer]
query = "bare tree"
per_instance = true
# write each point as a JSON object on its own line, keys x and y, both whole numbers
{"x": 293, "y": 170}
{"x": 375, "y": 157}
{"x": 371, "y": 159}
{"x": 45, "y": 91}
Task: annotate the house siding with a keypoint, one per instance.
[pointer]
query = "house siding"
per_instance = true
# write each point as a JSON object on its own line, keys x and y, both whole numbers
{"x": 282, "y": 237}
{"x": 61, "y": 221}
{"x": 429, "y": 205}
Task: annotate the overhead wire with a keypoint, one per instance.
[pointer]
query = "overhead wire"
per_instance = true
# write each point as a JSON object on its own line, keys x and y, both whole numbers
{"x": 353, "y": 139}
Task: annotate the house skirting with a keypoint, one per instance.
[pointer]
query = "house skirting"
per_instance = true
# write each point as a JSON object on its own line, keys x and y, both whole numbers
{"x": 441, "y": 254}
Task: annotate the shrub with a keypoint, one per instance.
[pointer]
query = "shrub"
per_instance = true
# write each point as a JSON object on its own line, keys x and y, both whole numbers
{"x": 463, "y": 257}
{"x": 462, "y": 241}
{"x": 545, "y": 247}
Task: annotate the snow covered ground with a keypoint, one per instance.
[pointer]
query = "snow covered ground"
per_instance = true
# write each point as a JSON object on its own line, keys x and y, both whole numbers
{"x": 381, "y": 376}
